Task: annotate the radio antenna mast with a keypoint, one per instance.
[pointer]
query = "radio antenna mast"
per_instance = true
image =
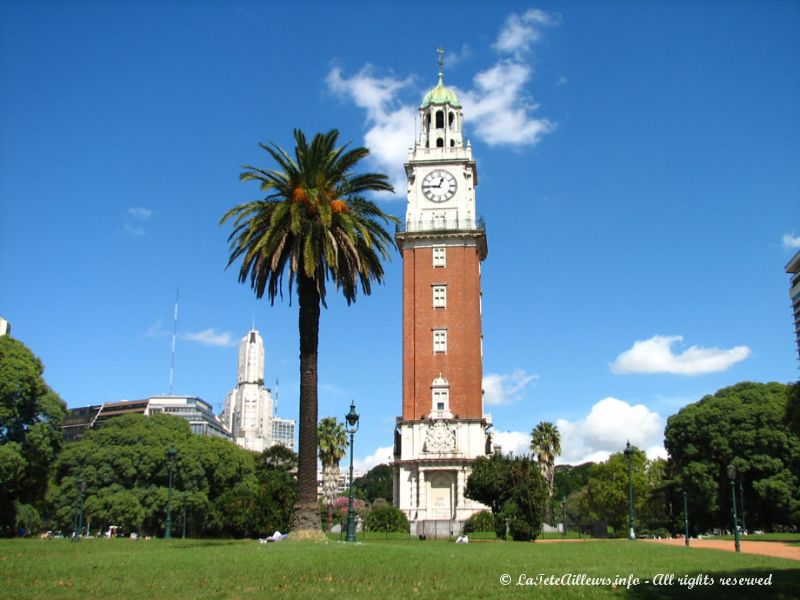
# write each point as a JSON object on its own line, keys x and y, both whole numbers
{"x": 174, "y": 337}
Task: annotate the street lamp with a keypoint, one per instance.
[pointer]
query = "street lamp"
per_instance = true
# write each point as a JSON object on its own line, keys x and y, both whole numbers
{"x": 184, "y": 516}
{"x": 629, "y": 457}
{"x": 732, "y": 478}
{"x": 741, "y": 505}
{"x": 352, "y": 427}
{"x": 171, "y": 454}
{"x": 81, "y": 493}
{"x": 685, "y": 520}
{"x": 564, "y": 512}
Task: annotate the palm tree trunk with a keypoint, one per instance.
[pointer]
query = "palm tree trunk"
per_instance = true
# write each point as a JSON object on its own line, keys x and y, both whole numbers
{"x": 306, "y": 512}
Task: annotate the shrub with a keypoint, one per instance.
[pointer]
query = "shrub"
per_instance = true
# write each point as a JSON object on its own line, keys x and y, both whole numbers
{"x": 482, "y": 521}
{"x": 386, "y": 518}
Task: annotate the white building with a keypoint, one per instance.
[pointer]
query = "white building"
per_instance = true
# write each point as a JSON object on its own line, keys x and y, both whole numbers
{"x": 5, "y": 327}
{"x": 249, "y": 412}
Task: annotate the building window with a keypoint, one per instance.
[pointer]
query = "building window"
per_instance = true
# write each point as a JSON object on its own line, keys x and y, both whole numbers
{"x": 440, "y": 341}
{"x": 439, "y": 119}
{"x": 440, "y": 296}
{"x": 440, "y": 394}
{"x": 439, "y": 256}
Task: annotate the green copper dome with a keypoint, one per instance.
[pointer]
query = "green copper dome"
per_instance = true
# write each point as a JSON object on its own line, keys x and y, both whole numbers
{"x": 441, "y": 95}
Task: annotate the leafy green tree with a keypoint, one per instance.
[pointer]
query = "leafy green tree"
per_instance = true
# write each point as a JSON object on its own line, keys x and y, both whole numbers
{"x": 277, "y": 457}
{"x": 376, "y": 483}
{"x": 315, "y": 223}
{"x": 607, "y": 490}
{"x": 793, "y": 408}
{"x": 744, "y": 425}
{"x": 569, "y": 479}
{"x": 332, "y": 446}
{"x": 126, "y": 470}
{"x": 515, "y": 491}
{"x": 30, "y": 434}
{"x": 387, "y": 518}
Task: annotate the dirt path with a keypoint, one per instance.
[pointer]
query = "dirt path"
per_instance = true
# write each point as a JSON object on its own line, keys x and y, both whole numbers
{"x": 776, "y": 549}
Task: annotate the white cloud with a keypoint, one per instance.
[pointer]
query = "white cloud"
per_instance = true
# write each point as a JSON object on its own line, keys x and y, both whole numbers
{"x": 497, "y": 108}
{"x": 606, "y": 429}
{"x": 391, "y": 124}
{"x": 520, "y": 31}
{"x": 505, "y": 389}
{"x": 451, "y": 59}
{"x": 156, "y": 329}
{"x": 381, "y": 456}
{"x": 133, "y": 230}
{"x": 516, "y": 442}
{"x": 210, "y": 337}
{"x": 791, "y": 242}
{"x": 139, "y": 213}
{"x": 655, "y": 356}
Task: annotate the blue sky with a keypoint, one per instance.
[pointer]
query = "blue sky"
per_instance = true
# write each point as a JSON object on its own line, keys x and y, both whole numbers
{"x": 639, "y": 173}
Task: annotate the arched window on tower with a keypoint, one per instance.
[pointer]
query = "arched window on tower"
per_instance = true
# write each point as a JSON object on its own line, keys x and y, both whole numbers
{"x": 439, "y": 119}
{"x": 452, "y": 142}
{"x": 440, "y": 397}
{"x": 439, "y": 143}
{"x": 450, "y": 118}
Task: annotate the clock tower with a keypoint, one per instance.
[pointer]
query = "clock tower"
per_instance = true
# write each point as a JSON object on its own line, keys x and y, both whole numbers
{"x": 443, "y": 241}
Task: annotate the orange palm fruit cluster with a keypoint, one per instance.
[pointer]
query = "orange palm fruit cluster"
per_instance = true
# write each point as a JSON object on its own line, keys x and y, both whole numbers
{"x": 299, "y": 195}
{"x": 338, "y": 206}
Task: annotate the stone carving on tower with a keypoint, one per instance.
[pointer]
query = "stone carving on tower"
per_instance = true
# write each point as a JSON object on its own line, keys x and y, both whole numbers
{"x": 443, "y": 241}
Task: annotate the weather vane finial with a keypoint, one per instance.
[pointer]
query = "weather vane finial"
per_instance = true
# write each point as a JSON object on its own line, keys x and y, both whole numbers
{"x": 440, "y": 52}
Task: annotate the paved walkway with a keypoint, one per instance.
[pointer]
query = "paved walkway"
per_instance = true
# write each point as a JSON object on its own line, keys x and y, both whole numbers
{"x": 776, "y": 549}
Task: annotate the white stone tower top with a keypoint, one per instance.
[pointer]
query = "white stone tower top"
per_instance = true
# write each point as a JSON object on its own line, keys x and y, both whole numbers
{"x": 251, "y": 359}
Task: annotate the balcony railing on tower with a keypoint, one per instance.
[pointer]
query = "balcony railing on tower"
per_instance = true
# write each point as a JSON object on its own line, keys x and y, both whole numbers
{"x": 442, "y": 225}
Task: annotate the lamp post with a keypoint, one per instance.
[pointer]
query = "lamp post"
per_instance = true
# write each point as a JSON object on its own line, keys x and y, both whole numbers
{"x": 171, "y": 454}
{"x": 183, "y": 535}
{"x": 564, "y": 513}
{"x": 741, "y": 505}
{"x": 81, "y": 493}
{"x": 352, "y": 426}
{"x": 732, "y": 478}
{"x": 629, "y": 456}
{"x": 685, "y": 520}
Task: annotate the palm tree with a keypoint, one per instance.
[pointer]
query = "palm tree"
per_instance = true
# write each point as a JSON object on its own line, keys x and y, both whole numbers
{"x": 332, "y": 447}
{"x": 315, "y": 223}
{"x": 546, "y": 443}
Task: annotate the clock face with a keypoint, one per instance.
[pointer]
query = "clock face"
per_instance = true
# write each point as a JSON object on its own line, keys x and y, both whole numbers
{"x": 439, "y": 185}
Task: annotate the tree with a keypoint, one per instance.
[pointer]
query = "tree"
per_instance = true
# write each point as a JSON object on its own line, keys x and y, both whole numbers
{"x": 332, "y": 447}
{"x": 376, "y": 483}
{"x": 278, "y": 458}
{"x": 607, "y": 489}
{"x": 126, "y": 470}
{"x": 30, "y": 434}
{"x": 744, "y": 425}
{"x": 546, "y": 444}
{"x": 315, "y": 223}
{"x": 515, "y": 491}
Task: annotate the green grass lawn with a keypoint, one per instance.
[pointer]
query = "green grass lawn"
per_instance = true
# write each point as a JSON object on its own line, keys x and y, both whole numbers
{"x": 396, "y": 568}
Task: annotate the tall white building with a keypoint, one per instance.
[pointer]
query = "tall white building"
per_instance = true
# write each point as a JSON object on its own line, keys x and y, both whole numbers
{"x": 249, "y": 412}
